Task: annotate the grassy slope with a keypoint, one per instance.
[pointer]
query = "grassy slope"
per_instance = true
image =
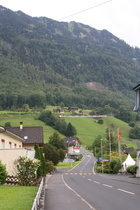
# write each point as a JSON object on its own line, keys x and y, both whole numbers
{"x": 87, "y": 128}
{"x": 28, "y": 120}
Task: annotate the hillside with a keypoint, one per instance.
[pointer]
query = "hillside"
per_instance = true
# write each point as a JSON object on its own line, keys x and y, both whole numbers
{"x": 87, "y": 128}
{"x": 43, "y": 61}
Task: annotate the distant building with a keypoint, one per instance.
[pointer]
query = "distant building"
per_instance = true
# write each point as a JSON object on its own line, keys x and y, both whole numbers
{"x": 73, "y": 109}
{"x": 73, "y": 146}
{"x": 137, "y": 98}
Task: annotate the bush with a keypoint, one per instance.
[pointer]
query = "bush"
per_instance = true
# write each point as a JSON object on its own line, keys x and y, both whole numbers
{"x": 100, "y": 121}
{"x": 49, "y": 167}
{"x": 115, "y": 166}
{"x": 3, "y": 173}
{"x": 132, "y": 169}
{"x": 79, "y": 157}
{"x": 7, "y": 124}
{"x": 27, "y": 170}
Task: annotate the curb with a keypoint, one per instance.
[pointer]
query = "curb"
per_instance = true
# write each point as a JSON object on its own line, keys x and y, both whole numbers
{"x": 122, "y": 180}
{"x": 43, "y": 194}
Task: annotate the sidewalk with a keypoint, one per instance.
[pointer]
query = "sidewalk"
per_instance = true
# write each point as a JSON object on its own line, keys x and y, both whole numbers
{"x": 126, "y": 178}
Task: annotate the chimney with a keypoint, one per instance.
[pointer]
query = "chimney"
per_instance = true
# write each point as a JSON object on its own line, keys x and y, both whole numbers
{"x": 21, "y": 126}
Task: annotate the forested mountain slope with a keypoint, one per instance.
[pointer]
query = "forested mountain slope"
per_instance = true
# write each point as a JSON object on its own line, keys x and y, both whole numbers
{"x": 43, "y": 61}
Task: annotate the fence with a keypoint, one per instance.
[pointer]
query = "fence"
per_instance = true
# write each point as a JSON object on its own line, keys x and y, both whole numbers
{"x": 11, "y": 180}
{"x": 38, "y": 195}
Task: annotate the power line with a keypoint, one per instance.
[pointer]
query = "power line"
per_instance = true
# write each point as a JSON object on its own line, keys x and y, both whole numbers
{"x": 98, "y": 5}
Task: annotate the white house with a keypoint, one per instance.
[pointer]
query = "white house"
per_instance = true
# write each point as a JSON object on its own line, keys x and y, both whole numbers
{"x": 16, "y": 142}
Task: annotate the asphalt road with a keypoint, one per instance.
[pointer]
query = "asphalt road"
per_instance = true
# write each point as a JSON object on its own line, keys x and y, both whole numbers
{"x": 80, "y": 188}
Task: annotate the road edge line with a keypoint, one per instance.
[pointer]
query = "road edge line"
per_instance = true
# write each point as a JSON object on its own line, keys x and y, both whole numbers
{"x": 91, "y": 207}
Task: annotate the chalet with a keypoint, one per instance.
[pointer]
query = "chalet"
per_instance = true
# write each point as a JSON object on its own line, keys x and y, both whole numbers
{"x": 73, "y": 109}
{"x": 73, "y": 146}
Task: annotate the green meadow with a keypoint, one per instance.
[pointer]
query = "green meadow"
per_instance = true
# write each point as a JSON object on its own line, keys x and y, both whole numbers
{"x": 28, "y": 120}
{"x": 87, "y": 128}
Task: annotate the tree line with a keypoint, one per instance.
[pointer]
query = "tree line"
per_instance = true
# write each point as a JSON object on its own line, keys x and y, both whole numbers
{"x": 57, "y": 123}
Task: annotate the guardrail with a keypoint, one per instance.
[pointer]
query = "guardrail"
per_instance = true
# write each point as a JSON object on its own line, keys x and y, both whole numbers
{"x": 38, "y": 195}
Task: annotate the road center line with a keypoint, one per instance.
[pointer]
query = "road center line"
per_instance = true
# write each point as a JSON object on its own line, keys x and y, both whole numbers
{"x": 126, "y": 191}
{"x": 97, "y": 182}
{"x": 89, "y": 180}
{"x": 108, "y": 185}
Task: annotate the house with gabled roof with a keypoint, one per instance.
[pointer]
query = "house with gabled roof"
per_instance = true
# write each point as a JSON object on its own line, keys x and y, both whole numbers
{"x": 18, "y": 141}
{"x": 31, "y": 135}
{"x": 73, "y": 146}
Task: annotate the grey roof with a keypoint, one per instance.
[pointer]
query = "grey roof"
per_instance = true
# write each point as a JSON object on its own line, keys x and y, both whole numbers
{"x": 137, "y": 87}
{"x": 70, "y": 141}
{"x": 29, "y": 134}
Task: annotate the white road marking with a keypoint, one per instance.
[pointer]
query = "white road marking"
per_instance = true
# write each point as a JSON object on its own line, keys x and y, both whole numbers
{"x": 97, "y": 182}
{"x": 126, "y": 191}
{"x": 85, "y": 164}
{"x": 90, "y": 180}
{"x": 91, "y": 207}
{"x": 106, "y": 185}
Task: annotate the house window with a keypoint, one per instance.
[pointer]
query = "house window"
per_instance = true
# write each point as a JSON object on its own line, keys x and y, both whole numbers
{"x": 10, "y": 144}
{"x": 2, "y": 144}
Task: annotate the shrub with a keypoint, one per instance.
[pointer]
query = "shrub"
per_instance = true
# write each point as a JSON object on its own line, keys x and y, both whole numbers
{"x": 7, "y": 124}
{"x": 132, "y": 169}
{"x": 27, "y": 170}
{"x": 49, "y": 167}
{"x": 115, "y": 166}
{"x": 100, "y": 121}
{"x": 3, "y": 173}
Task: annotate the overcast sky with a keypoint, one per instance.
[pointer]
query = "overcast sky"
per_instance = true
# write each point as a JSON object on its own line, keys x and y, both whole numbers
{"x": 120, "y": 17}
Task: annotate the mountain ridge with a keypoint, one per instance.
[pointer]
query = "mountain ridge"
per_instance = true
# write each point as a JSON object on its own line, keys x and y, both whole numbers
{"x": 41, "y": 55}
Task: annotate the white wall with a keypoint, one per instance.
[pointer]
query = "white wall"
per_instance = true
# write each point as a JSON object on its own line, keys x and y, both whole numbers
{"x": 8, "y": 156}
{"x": 8, "y": 140}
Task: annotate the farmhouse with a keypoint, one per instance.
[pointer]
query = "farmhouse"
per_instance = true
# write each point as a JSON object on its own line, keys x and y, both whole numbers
{"x": 73, "y": 146}
{"x": 73, "y": 109}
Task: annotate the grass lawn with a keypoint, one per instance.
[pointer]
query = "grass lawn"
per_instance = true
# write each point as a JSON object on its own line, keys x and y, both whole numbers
{"x": 68, "y": 165}
{"x": 17, "y": 197}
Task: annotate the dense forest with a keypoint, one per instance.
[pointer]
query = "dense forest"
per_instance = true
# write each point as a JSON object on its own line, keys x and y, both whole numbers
{"x": 46, "y": 62}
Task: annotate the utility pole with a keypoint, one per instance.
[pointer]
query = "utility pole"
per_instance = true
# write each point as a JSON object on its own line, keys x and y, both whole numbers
{"x": 109, "y": 144}
{"x": 102, "y": 154}
{"x": 101, "y": 149}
